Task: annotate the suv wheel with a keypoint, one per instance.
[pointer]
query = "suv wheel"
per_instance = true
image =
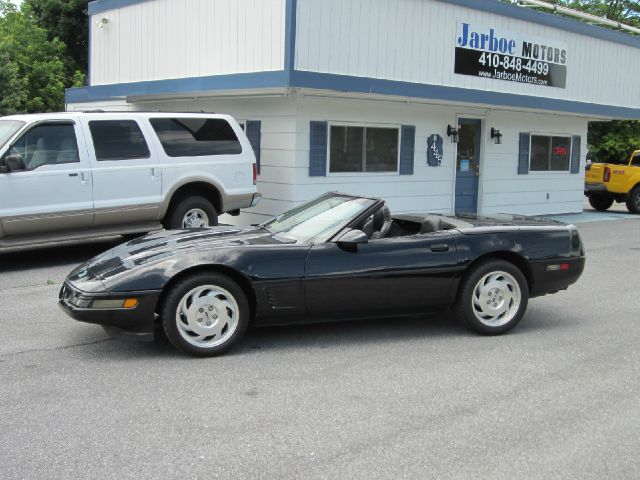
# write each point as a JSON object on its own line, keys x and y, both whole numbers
{"x": 192, "y": 212}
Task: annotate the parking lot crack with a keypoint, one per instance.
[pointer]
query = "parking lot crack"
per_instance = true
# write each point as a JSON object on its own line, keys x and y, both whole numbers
{"x": 54, "y": 349}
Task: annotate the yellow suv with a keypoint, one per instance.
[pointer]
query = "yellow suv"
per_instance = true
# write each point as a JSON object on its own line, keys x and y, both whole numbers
{"x": 609, "y": 182}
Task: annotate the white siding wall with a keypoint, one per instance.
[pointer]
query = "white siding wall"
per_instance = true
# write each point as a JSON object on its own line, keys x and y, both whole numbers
{"x": 432, "y": 188}
{"x": 414, "y": 41}
{"x": 163, "y": 39}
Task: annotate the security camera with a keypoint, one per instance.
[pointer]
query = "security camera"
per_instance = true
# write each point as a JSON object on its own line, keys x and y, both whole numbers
{"x": 102, "y": 22}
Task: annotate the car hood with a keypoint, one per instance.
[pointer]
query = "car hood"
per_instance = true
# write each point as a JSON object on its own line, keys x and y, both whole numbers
{"x": 166, "y": 244}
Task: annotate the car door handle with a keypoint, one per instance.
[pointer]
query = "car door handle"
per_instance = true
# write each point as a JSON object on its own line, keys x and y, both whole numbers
{"x": 155, "y": 172}
{"x": 73, "y": 174}
{"x": 440, "y": 247}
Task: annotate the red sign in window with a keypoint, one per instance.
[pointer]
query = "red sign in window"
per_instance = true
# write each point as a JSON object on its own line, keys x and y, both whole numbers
{"x": 560, "y": 151}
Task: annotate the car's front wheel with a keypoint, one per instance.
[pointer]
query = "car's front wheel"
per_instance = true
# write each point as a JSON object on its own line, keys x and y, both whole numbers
{"x": 633, "y": 200}
{"x": 600, "y": 202}
{"x": 493, "y": 297}
{"x": 205, "y": 314}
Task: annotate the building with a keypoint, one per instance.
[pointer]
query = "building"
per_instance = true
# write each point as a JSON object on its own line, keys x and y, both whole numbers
{"x": 370, "y": 96}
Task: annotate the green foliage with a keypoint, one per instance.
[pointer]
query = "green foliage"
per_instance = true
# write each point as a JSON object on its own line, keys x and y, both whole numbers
{"x": 34, "y": 69}
{"x": 66, "y": 20}
{"x": 624, "y": 11}
{"x": 612, "y": 142}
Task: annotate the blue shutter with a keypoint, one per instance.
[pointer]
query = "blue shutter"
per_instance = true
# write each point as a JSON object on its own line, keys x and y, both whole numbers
{"x": 407, "y": 149}
{"x": 252, "y": 129}
{"x": 575, "y": 153}
{"x": 318, "y": 149}
{"x": 523, "y": 156}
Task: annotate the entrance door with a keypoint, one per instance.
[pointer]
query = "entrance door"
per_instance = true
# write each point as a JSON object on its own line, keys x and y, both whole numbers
{"x": 468, "y": 165}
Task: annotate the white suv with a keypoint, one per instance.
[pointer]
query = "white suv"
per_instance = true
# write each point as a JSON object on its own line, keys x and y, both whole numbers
{"x": 72, "y": 176}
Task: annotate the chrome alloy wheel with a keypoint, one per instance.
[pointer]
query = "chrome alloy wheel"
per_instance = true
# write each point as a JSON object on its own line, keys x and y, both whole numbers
{"x": 195, "y": 218}
{"x": 496, "y": 299}
{"x": 207, "y": 316}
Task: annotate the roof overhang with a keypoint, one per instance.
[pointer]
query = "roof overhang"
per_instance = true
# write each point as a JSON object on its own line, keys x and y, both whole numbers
{"x": 279, "y": 83}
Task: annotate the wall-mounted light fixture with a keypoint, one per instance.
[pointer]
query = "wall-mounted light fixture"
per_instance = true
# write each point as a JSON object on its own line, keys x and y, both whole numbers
{"x": 103, "y": 22}
{"x": 496, "y": 136}
{"x": 452, "y": 133}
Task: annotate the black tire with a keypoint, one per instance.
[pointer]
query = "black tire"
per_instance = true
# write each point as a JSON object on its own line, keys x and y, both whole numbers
{"x": 600, "y": 202}
{"x": 178, "y": 335}
{"x": 466, "y": 310}
{"x": 176, "y": 216}
{"x": 633, "y": 200}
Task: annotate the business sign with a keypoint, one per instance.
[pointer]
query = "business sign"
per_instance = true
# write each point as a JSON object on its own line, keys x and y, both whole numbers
{"x": 497, "y": 54}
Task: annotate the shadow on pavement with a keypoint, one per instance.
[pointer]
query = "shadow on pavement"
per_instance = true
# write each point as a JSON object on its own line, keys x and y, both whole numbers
{"x": 332, "y": 335}
{"x": 54, "y": 256}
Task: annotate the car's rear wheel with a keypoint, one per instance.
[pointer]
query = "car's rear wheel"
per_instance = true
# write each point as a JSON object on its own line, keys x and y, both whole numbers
{"x": 493, "y": 297}
{"x": 600, "y": 202}
{"x": 205, "y": 314}
{"x": 192, "y": 212}
{"x": 633, "y": 200}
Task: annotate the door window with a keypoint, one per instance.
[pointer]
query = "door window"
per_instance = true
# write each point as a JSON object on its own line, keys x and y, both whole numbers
{"x": 635, "y": 161}
{"x": 118, "y": 140}
{"x": 467, "y": 155}
{"x": 47, "y": 144}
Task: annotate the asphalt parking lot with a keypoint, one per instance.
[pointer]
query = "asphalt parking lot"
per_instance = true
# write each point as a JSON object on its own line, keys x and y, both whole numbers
{"x": 559, "y": 397}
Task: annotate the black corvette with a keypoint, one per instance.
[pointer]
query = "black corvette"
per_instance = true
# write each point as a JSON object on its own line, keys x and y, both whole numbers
{"x": 336, "y": 257}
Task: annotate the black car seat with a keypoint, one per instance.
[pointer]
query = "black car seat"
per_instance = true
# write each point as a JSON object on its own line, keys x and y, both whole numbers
{"x": 382, "y": 223}
{"x": 431, "y": 224}
{"x": 368, "y": 227}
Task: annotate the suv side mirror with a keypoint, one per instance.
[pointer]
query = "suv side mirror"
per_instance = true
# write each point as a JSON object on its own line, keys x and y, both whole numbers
{"x": 14, "y": 163}
{"x": 351, "y": 239}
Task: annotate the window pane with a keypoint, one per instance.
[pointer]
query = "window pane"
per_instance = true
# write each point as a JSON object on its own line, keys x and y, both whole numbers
{"x": 47, "y": 144}
{"x": 7, "y": 129}
{"x": 560, "y": 153}
{"x": 540, "y": 153}
{"x": 346, "y": 149}
{"x": 382, "y": 150}
{"x": 195, "y": 137}
{"x": 636, "y": 160}
{"x": 118, "y": 140}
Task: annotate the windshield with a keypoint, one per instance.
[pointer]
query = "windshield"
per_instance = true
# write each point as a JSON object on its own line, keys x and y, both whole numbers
{"x": 319, "y": 218}
{"x": 7, "y": 129}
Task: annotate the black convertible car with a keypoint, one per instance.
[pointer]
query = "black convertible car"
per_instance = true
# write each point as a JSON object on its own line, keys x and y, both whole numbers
{"x": 336, "y": 257}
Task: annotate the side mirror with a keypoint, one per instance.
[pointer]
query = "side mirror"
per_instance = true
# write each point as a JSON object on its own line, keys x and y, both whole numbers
{"x": 351, "y": 239}
{"x": 14, "y": 163}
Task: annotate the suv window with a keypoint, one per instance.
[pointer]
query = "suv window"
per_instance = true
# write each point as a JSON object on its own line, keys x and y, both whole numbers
{"x": 635, "y": 161}
{"x": 118, "y": 140}
{"x": 47, "y": 144}
{"x": 194, "y": 137}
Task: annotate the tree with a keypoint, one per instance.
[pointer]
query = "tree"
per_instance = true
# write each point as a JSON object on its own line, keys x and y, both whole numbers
{"x": 32, "y": 67}
{"x": 623, "y": 11}
{"x": 612, "y": 142}
{"x": 66, "y": 20}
